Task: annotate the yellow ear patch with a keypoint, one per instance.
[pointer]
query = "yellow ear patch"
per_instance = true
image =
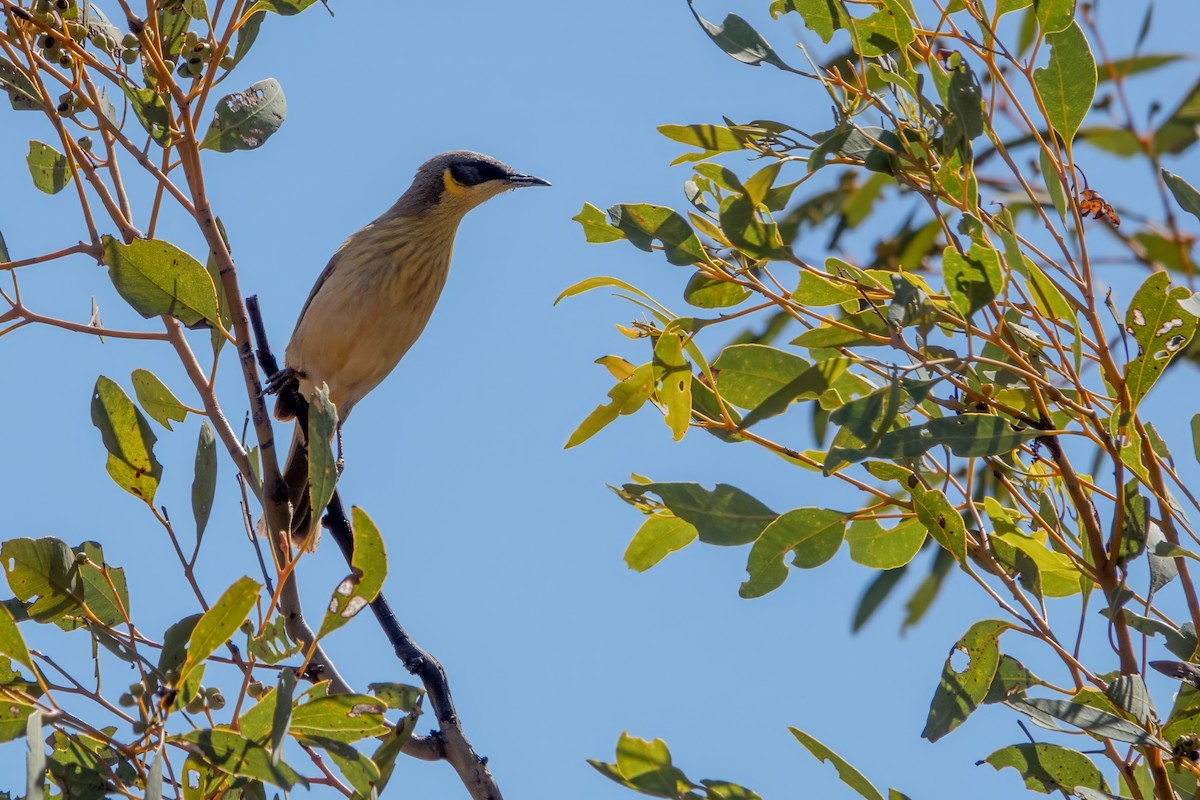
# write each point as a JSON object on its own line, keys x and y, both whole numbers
{"x": 453, "y": 187}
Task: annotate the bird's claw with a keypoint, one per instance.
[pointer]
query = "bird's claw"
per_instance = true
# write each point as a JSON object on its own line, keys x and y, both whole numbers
{"x": 283, "y": 379}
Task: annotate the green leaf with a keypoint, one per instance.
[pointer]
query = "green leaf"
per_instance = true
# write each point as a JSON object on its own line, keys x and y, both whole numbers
{"x": 341, "y": 717}
{"x": 706, "y": 137}
{"x": 822, "y": 17}
{"x": 645, "y": 767}
{"x": 322, "y": 463}
{"x": 128, "y": 439}
{"x": 625, "y": 398}
{"x": 849, "y": 775}
{"x": 157, "y": 400}
{"x": 233, "y": 754}
{"x": 1048, "y": 768}
{"x": 1011, "y": 679}
{"x": 659, "y": 536}
{"x": 219, "y": 623}
{"x": 864, "y": 329}
{"x": 1179, "y": 132}
{"x": 50, "y": 169}
{"x": 1161, "y": 327}
{"x": 643, "y": 223}
{"x": 204, "y": 484}
{"x": 284, "y": 8}
{"x": 967, "y": 435}
{"x": 1196, "y": 436}
{"x": 813, "y": 534}
{"x": 43, "y": 573}
{"x": 724, "y": 516}
{"x": 883, "y": 32}
{"x": 246, "y": 35}
{"x": 1185, "y": 194}
{"x": 973, "y": 280}
{"x": 873, "y": 546}
{"x": 873, "y": 596}
{"x": 368, "y": 570}
{"x": 22, "y": 94}
{"x": 1054, "y": 15}
{"x": 1068, "y": 83}
{"x": 151, "y": 111}
{"x": 744, "y": 229}
{"x": 1045, "y": 572}
{"x": 12, "y": 644}
{"x": 815, "y": 290}
{"x": 960, "y": 693}
{"x": 4, "y": 256}
{"x": 108, "y": 606}
{"x": 281, "y": 719}
{"x": 810, "y": 384}
{"x": 705, "y": 291}
{"x": 595, "y": 225}
{"x": 1100, "y": 724}
{"x": 157, "y": 278}
{"x": 941, "y": 519}
{"x": 749, "y": 374}
{"x": 245, "y": 120}
{"x": 399, "y": 696}
{"x": 674, "y": 374}
{"x": 739, "y": 39}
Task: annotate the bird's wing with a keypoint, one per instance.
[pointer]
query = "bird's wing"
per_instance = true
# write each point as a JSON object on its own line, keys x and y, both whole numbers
{"x": 324, "y": 276}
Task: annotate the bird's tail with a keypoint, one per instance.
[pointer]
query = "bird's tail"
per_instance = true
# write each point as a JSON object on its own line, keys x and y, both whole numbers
{"x": 306, "y": 530}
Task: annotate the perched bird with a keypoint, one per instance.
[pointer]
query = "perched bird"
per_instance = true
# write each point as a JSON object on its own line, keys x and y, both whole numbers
{"x": 374, "y": 297}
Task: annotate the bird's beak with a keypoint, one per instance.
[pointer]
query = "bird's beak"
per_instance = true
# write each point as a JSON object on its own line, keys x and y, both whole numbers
{"x": 526, "y": 180}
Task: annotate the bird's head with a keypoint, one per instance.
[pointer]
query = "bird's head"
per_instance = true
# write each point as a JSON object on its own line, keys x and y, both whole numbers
{"x": 454, "y": 183}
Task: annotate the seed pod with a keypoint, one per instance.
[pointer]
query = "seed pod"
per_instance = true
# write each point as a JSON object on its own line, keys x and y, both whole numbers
{"x": 130, "y": 42}
{"x": 137, "y": 689}
{"x": 85, "y": 144}
{"x": 65, "y": 61}
{"x": 129, "y": 56}
{"x": 126, "y": 701}
{"x": 227, "y": 62}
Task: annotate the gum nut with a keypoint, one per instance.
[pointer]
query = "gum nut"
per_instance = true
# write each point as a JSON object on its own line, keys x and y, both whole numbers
{"x": 130, "y": 42}
{"x": 65, "y": 60}
{"x": 129, "y": 56}
{"x": 227, "y": 62}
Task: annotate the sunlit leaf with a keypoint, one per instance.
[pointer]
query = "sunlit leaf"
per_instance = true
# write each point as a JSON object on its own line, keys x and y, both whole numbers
{"x": 127, "y": 438}
{"x": 50, "y": 169}
{"x": 1161, "y": 328}
{"x": 1048, "y": 768}
{"x": 812, "y": 534}
{"x": 961, "y": 692}
{"x": 724, "y": 515}
{"x": 156, "y": 399}
{"x": 156, "y": 277}
{"x": 849, "y": 775}
{"x": 1067, "y": 83}
{"x": 368, "y": 572}
{"x": 874, "y": 546}
{"x": 218, "y": 624}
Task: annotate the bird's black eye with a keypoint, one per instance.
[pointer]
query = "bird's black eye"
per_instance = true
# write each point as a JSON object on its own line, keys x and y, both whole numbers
{"x": 473, "y": 173}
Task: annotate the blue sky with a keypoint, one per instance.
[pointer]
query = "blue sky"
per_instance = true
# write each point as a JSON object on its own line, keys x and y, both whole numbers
{"x": 505, "y": 551}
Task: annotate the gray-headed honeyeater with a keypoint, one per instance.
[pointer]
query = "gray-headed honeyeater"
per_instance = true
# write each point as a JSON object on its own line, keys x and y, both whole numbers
{"x": 374, "y": 297}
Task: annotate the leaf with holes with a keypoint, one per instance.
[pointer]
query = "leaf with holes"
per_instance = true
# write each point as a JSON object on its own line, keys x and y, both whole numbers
{"x": 245, "y": 120}
{"x": 961, "y": 692}
{"x": 43, "y": 573}
{"x": 1161, "y": 326}
{"x": 368, "y": 571}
